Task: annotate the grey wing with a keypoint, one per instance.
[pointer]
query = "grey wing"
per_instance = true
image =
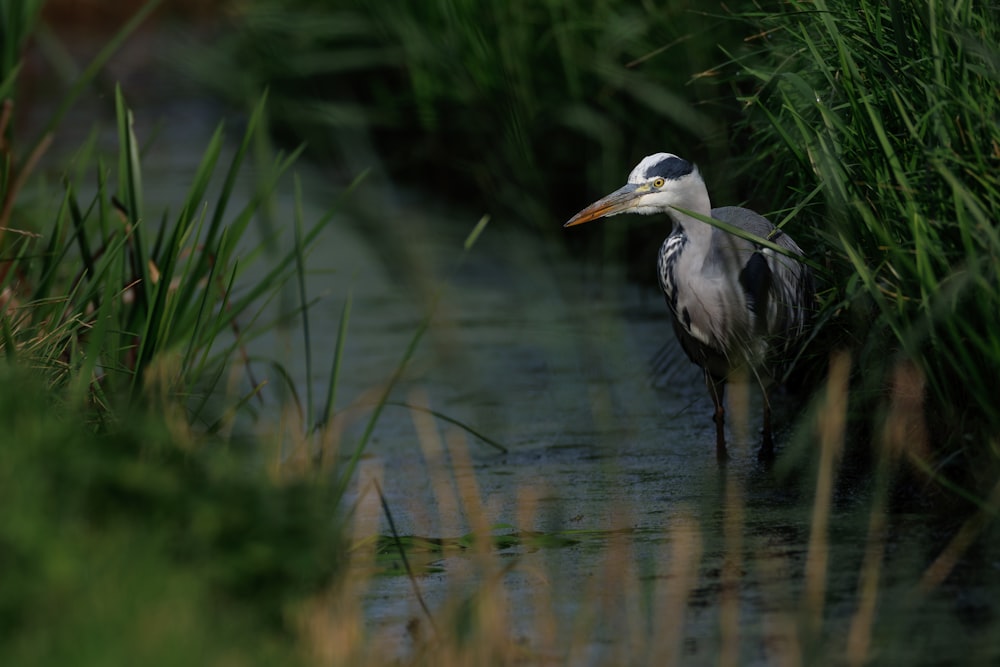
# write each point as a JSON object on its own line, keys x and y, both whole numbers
{"x": 779, "y": 289}
{"x": 793, "y": 285}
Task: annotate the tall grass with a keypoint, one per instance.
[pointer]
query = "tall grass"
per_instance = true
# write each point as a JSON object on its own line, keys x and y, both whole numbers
{"x": 104, "y": 293}
{"x": 131, "y": 533}
{"x": 517, "y": 105}
{"x": 889, "y": 111}
{"x": 17, "y": 21}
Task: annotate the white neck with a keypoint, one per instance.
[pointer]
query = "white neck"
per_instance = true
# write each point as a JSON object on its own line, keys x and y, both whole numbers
{"x": 695, "y": 200}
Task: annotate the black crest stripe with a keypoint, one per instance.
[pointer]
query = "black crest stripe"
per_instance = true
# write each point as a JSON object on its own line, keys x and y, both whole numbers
{"x": 670, "y": 168}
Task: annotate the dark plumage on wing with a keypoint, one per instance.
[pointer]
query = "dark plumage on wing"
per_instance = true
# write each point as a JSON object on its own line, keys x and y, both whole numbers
{"x": 738, "y": 306}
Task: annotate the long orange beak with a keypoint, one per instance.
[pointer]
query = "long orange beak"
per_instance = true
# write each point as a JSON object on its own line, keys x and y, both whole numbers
{"x": 619, "y": 201}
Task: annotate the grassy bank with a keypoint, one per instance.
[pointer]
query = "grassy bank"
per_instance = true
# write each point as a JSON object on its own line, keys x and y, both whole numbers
{"x": 876, "y": 125}
{"x": 133, "y": 530}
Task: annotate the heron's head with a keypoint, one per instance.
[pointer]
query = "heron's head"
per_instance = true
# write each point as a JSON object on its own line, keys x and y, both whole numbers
{"x": 658, "y": 182}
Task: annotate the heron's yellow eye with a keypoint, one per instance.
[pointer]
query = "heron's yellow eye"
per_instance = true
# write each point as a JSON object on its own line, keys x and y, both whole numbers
{"x": 658, "y": 183}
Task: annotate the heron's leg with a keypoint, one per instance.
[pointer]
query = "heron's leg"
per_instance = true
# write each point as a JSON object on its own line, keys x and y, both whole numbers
{"x": 766, "y": 452}
{"x": 717, "y": 388}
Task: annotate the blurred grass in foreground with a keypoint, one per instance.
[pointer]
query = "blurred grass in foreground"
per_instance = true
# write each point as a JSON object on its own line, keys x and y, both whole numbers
{"x": 727, "y": 581}
{"x": 139, "y": 544}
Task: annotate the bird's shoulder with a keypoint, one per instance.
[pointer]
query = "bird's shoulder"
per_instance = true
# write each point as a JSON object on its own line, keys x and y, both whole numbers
{"x": 745, "y": 219}
{"x": 756, "y": 224}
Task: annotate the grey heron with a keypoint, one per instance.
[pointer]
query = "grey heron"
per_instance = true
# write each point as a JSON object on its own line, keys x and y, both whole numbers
{"x": 737, "y": 306}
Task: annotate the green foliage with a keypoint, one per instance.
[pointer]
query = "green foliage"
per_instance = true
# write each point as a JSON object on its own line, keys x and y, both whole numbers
{"x": 891, "y": 110}
{"x": 127, "y": 538}
{"x": 523, "y": 105}
{"x": 135, "y": 544}
{"x": 112, "y": 294}
{"x": 17, "y": 21}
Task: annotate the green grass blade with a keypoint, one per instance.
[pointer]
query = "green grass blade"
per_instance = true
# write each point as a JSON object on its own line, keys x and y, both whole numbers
{"x": 338, "y": 356}
{"x": 299, "y": 251}
{"x": 451, "y": 420}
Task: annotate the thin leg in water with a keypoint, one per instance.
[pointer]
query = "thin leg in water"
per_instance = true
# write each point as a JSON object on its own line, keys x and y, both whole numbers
{"x": 717, "y": 388}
